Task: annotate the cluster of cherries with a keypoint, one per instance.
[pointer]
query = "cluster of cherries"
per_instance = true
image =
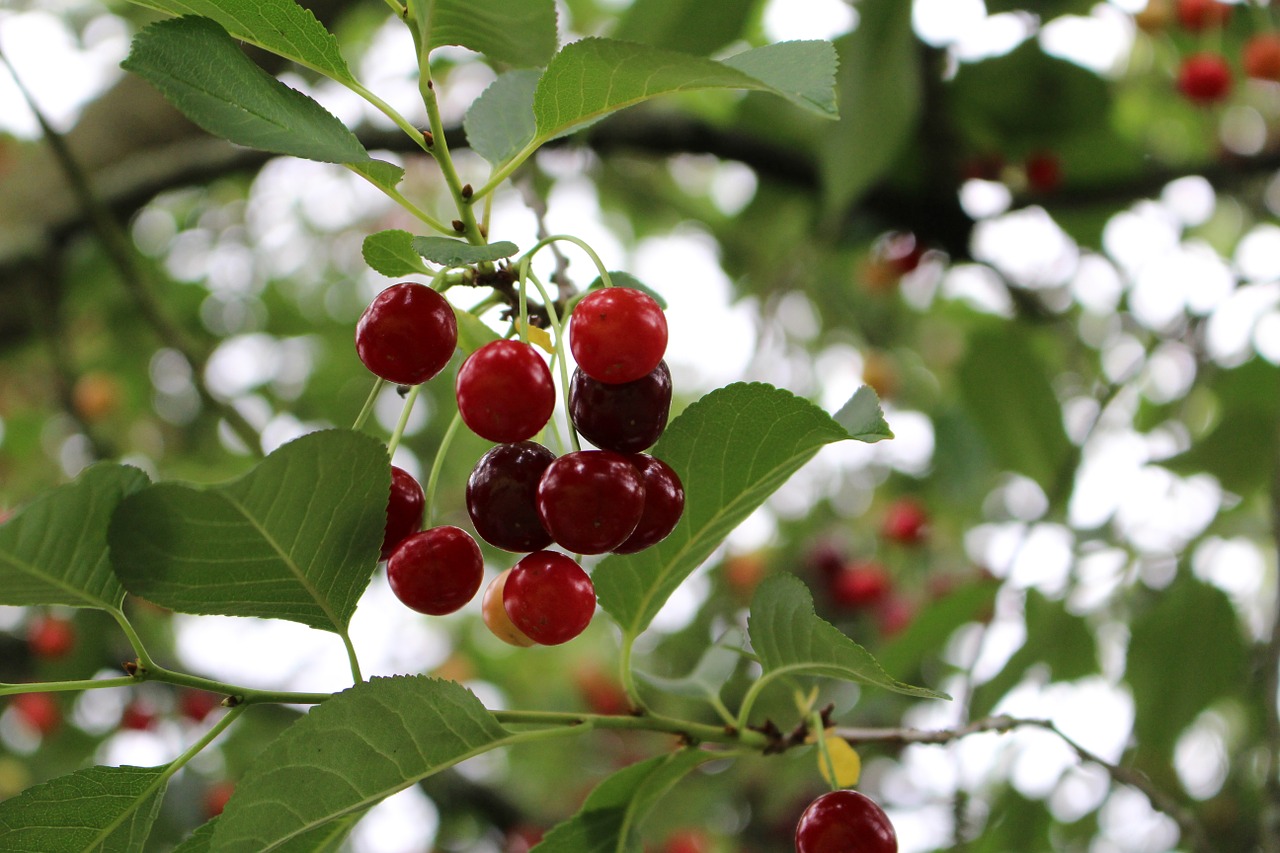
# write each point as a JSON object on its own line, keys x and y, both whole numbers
{"x": 521, "y": 497}
{"x": 1205, "y": 76}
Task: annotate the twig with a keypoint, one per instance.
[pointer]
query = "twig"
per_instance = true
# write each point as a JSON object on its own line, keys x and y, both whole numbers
{"x": 560, "y": 277}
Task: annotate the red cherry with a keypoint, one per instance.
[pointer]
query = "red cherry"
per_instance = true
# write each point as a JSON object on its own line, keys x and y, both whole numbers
{"x": 195, "y": 705}
{"x": 39, "y": 712}
{"x": 905, "y": 522}
{"x": 505, "y": 391}
{"x": 1044, "y": 171}
{"x": 1261, "y": 56}
{"x": 860, "y": 584}
{"x": 51, "y": 637}
{"x": 590, "y": 501}
{"x": 404, "y": 510}
{"x": 502, "y": 496}
{"x": 845, "y": 822}
{"x": 549, "y": 598}
{"x": 894, "y": 614}
{"x": 688, "y": 841}
{"x": 624, "y": 416}
{"x": 216, "y": 797}
{"x": 407, "y": 334}
{"x": 827, "y": 557}
{"x": 617, "y": 334}
{"x": 600, "y": 691}
{"x": 663, "y": 504}
{"x": 137, "y": 717}
{"x": 1204, "y": 78}
{"x": 523, "y": 838}
{"x": 436, "y": 571}
{"x": 494, "y": 612}
{"x": 1198, "y": 15}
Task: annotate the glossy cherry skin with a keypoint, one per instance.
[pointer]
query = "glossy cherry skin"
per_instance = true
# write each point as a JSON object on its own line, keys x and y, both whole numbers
{"x": 1199, "y": 15}
{"x": 505, "y": 391}
{"x": 494, "y": 613}
{"x": 436, "y": 571}
{"x": 404, "y": 510}
{"x": 590, "y": 501}
{"x": 1204, "y": 78}
{"x": 38, "y": 711}
{"x": 663, "y": 504}
{"x": 51, "y": 637}
{"x": 862, "y": 583}
{"x": 549, "y": 598}
{"x": 845, "y": 822}
{"x": 905, "y": 522}
{"x": 617, "y": 334}
{"x": 407, "y": 334}
{"x": 502, "y": 496}
{"x": 625, "y": 416}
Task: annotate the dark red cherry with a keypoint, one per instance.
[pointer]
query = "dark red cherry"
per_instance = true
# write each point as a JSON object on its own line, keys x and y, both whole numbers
{"x": 407, "y": 334}
{"x": 617, "y": 334}
{"x": 627, "y": 416}
{"x": 404, "y": 510}
{"x": 845, "y": 822}
{"x": 663, "y": 504}
{"x": 502, "y": 496}
{"x": 436, "y": 571}
{"x": 549, "y": 598}
{"x": 505, "y": 391}
{"x": 590, "y": 501}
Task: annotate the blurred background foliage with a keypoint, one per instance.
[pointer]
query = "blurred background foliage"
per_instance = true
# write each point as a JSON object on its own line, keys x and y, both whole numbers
{"x": 1061, "y": 275}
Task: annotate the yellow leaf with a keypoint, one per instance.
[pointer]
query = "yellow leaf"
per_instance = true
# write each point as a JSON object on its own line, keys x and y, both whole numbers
{"x": 845, "y": 762}
{"x": 538, "y": 337}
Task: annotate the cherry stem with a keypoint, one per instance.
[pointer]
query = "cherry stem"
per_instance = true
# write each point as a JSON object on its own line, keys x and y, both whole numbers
{"x": 417, "y": 212}
{"x": 66, "y": 686}
{"x": 699, "y": 732}
{"x": 824, "y": 755}
{"x": 554, "y": 316}
{"x": 628, "y": 677}
{"x": 405, "y": 411}
{"x": 439, "y": 149}
{"x": 438, "y": 464}
{"x": 581, "y": 244}
{"x": 369, "y": 404}
{"x": 505, "y": 171}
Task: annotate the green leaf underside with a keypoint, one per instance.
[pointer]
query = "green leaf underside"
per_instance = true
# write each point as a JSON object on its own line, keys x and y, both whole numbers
{"x": 500, "y": 122}
{"x": 55, "y": 550}
{"x": 591, "y": 78}
{"x": 280, "y": 26}
{"x": 455, "y": 253}
{"x": 514, "y": 32}
{"x": 392, "y": 254}
{"x": 789, "y": 637}
{"x": 351, "y": 752}
{"x": 731, "y": 450}
{"x": 323, "y": 839}
{"x": 863, "y": 418}
{"x": 379, "y": 172}
{"x": 709, "y": 675}
{"x": 202, "y": 71}
{"x": 296, "y": 538}
{"x": 95, "y": 810}
{"x": 608, "y": 819}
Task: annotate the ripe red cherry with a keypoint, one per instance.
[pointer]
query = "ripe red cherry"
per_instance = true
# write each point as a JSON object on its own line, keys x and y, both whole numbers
{"x": 1198, "y": 15}
{"x": 1044, "y": 171}
{"x": 494, "y": 612}
{"x": 549, "y": 598}
{"x": 502, "y": 496}
{"x": 625, "y": 416}
{"x": 1204, "y": 78}
{"x": 617, "y": 334}
{"x": 905, "y": 522}
{"x": 51, "y": 637}
{"x": 505, "y": 391}
{"x": 137, "y": 716}
{"x": 590, "y": 501}
{"x": 39, "y": 712}
{"x": 407, "y": 334}
{"x": 196, "y": 705}
{"x": 861, "y": 583}
{"x": 436, "y": 571}
{"x": 1261, "y": 56}
{"x": 217, "y": 796}
{"x": 663, "y": 504}
{"x": 404, "y": 510}
{"x": 845, "y": 822}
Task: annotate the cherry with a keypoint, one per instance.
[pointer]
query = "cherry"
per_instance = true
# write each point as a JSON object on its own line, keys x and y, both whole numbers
{"x": 137, "y": 717}
{"x": 590, "y": 501}
{"x": 39, "y": 712}
{"x": 1044, "y": 171}
{"x": 549, "y": 598}
{"x": 436, "y": 571}
{"x": 1154, "y": 17}
{"x": 502, "y": 496}
{"x": 1204, "y": 78}
{"x": 404, "y": 510}
{"x": 663, "y": 504}
{"x": 1198, "y": 15}
{"x": 407, "y": 334}
{"x": 505, "y": 391}
{"x": 894, "y": 615}
{"x": 216, "y": 797}
{"x": 743, "y": 573}
{"x": 862, "y": 583}
{"x": 600, "y": 691}
{"x": 827, "y": 557}
{"x": 523, "y": 838}
{"x": 905, "y": 522}
{"x": 196, "y": 705}
{"x": 51, "y": 637}
{"x": 494, "y": 612}
{"x": 624, "y": 416}
{"x": 1261, "y": 56}
{"x": 845, "y": 822}
{"x": 688, "y": 841}
{"x": 617, "y": 334}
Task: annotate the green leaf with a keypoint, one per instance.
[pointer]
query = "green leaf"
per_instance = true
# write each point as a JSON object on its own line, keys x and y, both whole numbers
{"x": 591, "y": 78}
{"x": 714, "y": 668}
{"x": 863, "y": 418}
{"x": 351, "y": 752}
{"x": 380, "y": 173}
{"x": 1005, "y": 387}
{"x": 803, "y": 72}
{"x": 392, "y": 254}
{"x": 473, "y": 333}
{"x": 791, "y": 639}
{"x": 280, "y": 26}
{"x": 201, "y": 70}
{"x": 456, "y": 253}
{"x": 608, "y": 819}
{"x": 54, "y": 551}
{"x": 95, "y": 810}
{"x": 690, "y": 26}
{"x": 328, "y": 838}
{"x": 500, "y": 122}
{"x": 296, "y": 538}
{"x": 731, "y": 450}
{"x": 926, "y": 637}
{"x": 880, "y": 92}
{"x": 515, "y": 32}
